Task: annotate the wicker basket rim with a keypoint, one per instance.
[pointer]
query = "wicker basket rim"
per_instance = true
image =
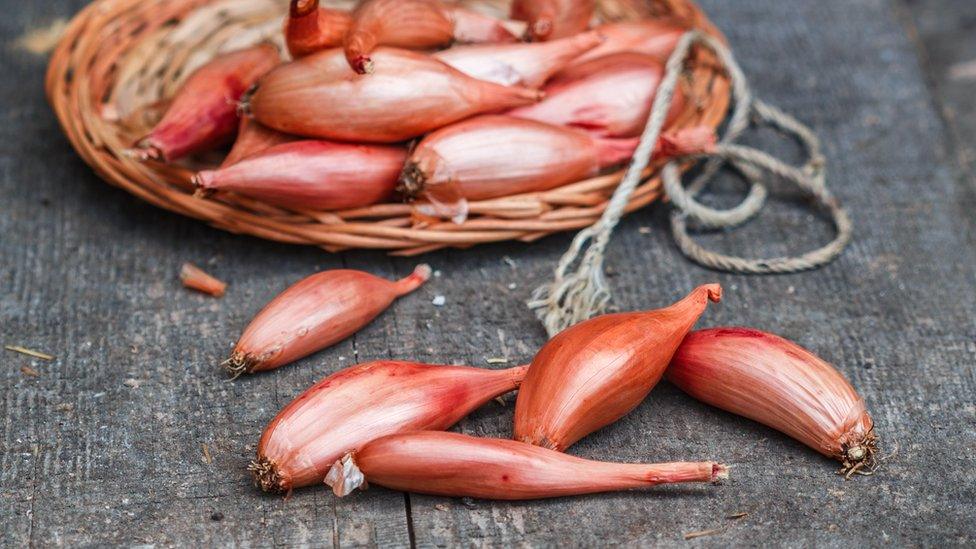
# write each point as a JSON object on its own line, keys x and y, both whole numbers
{"x": 100, "y": 55}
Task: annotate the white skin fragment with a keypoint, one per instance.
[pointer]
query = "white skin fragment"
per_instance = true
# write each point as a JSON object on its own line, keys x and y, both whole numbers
{"x": 345, "y": 477}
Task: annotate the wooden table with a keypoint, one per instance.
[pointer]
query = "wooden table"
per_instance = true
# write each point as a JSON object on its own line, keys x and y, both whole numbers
{"x": 132, "y": 435}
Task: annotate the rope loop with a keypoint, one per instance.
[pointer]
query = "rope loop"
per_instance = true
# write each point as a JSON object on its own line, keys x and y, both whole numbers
{"x": 578, "y": 294}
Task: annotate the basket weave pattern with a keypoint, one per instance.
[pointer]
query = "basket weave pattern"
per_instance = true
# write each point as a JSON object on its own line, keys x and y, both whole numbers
{"x": 120, "y": 59}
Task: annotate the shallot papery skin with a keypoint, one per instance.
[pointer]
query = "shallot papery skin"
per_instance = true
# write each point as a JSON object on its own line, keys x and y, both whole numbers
{"x": 592, "y": 374}
{"x": 253, "y": 138}
{"x": 552, "y": 19}
{"x": 310, "y": 28}
{"x": 313, "y": 314}
{"x": 409, "y": 95}
{"x": 312, "y": 175}
{"x": 346, "y": 410}
{"x": 610, "y": 96}
{"x": 491, "y": 156}
{"x": 456, "y": 465}
{"x": 197, "y": 279}
{"x": 654, "y": 37}
{"x": 768, "y": 379}
{"x": 528, "y": 65}
{"x": 203, "y": 114}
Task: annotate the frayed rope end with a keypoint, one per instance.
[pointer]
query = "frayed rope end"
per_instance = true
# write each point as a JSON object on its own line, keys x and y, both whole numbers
{"x": 576, "y": 297}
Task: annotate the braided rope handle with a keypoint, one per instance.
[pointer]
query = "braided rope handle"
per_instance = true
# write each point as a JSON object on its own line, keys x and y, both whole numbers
{"x": 574, "y": 296}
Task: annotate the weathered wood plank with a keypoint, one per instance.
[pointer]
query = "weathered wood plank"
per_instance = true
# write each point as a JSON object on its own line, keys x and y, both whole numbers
{"x": 90, "y": 275}
{"x": 847, "y": 69}
{"x": 106, "y": 445}
{"x": 943, "y": 30}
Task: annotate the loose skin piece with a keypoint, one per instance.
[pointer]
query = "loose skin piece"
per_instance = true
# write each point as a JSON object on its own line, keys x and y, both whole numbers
{"x": 594, "y": 373}
{"x": 195, "y": 278}
{"x": 409, "y": 94}
{"x": 203, "y": 114}
{"x": 312, "y": 175}
{"x": 776, "y": 382}
{"x": 315, "y": 313}
{"x": 456, "y": 465}
{"x": 528, "y": 65}
{"x": 552, "y": 19}
{"x": 348, "y": 409}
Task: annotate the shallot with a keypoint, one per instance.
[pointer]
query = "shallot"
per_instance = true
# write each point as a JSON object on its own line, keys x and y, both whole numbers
{"x": 456, "y": 465}
{"x": 609, "y": 96}
{"x": 203, "y": 114}
{"x": 597, "y": 371}
{"x": 253, "y": 138}
{"x": 312, "y": 175}
{"x": 654, "y": 37}
{"x": 528, "y": 65}
{"x": 315, "y": 313}
{"x": 778, "y": 383}
{"x": 551, "y": 19}
{"x": 414, "y": 24}
{"x": 310, "y": 28}
{"x": 346, "y": 410}
{"x": 409, "y": 95}
{"x": 491, "y": 156}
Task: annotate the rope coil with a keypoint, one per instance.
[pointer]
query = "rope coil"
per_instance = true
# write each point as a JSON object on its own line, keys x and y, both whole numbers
{"x": 576, "y": 295}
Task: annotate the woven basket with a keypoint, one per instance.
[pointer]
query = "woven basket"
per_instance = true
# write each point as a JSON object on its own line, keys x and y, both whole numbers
{"x": 120, "y": 59}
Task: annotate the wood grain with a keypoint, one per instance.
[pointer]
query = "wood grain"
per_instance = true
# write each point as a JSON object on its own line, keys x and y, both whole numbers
{"x": 104, "y": 446}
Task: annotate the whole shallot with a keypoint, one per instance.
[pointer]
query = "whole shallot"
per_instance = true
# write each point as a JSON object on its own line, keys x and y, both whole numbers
{"x": 609, "y": 96}
{"x": 491, "y": 156}
{"x": 597, "y": 371}
{"x": 346, "y": 410}
{"x": 310, "y": 28}
{"x": 315, "y": 313}
{"x": 253, "y": 138}
{"x": 456, "y": 465}
{"x": 413, "y": 24}
{"x": 203, "y": 114}
{"x": 312, "y": 175}
{"x": 551, "y": 19}
{"x": 529, "y": 65}
{"x": 409, "y": 95}
{"x": 773, "y": 381}
{"x": 654, "y": 37}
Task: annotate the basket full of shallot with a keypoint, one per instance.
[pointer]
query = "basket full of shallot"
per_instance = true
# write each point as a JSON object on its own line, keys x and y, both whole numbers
{"x": 405, "y": 125}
